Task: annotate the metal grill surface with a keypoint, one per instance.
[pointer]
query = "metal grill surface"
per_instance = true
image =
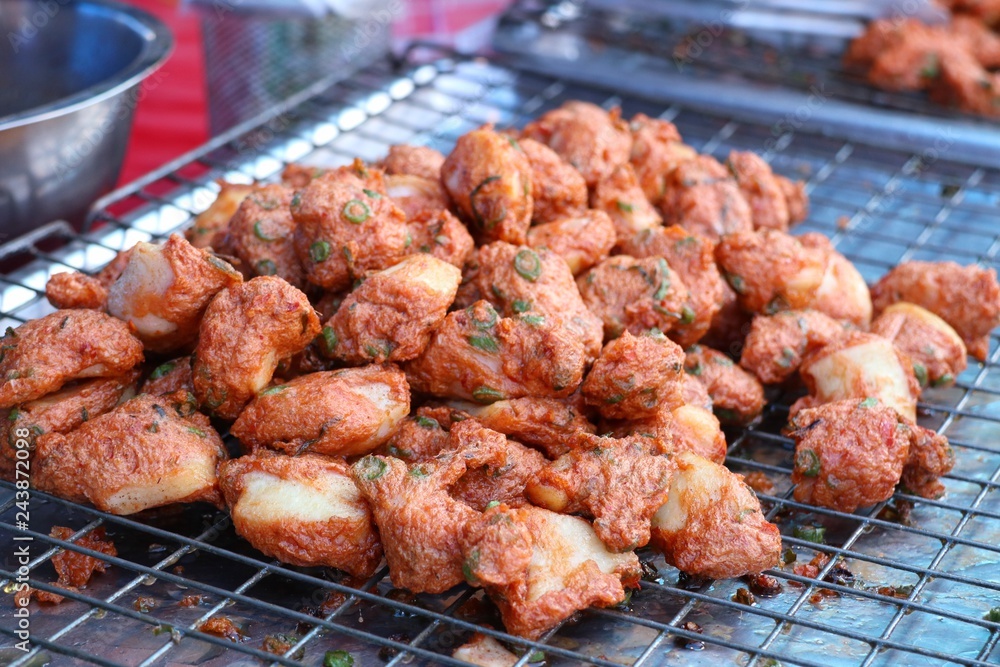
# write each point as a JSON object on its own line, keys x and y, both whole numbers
{"x": 908, "y": 582}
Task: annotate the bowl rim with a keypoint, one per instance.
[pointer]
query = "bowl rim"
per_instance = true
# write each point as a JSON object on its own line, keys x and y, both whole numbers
{"x": 157, "y": 44}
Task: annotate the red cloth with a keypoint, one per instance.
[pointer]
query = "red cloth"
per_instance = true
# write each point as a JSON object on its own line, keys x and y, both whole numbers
{"x": 172, "y": 115}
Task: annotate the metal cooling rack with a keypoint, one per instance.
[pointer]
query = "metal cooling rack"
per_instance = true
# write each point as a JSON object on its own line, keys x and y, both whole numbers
{"x": 894, "y": 592}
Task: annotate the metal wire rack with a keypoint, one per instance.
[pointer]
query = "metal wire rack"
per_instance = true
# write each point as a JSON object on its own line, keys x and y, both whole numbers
{"x": 908, "y": 582}
{"x": 784, "y": 44}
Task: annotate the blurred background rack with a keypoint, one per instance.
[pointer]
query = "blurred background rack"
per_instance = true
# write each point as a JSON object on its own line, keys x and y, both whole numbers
{"x": 907, "y": 582}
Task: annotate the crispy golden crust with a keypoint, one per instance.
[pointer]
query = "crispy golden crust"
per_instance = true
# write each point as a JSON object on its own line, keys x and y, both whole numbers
{"x": 693, "y": 258}
{"x": 416, "y": 195}
{"x": 477, "y": 355}
{"x": 843, "y": 293}
{"x": 60, "y": 412}
{"x": 795, "y": 198}
{"x": 859, "y": 365}
{"x": 419, "y": 161}
{"x": 72, "y": 289}
{"x": 260, "y": 234}
{"x": 966, "y": 297}
{"x": 170, "y": 376}
{"x": 704, "y": 198}
{"x": 42, "y": 355}
{"x": 761, "y": 189}
{"x": 582, "y": 240}
{"x": 440, "y": 234}
{"x": 346, "y": 225}
{"x": 420, "y": 524}
{"x": 391, "y": 315}
{"x": 519, "y": 280}
{"x": 145, "y": 453}
{"x": 848, "y": 454}
{"x": 656, "y": 151}
{"x": 935, "y": 349}
{"x": 687, "y": 428}
{"x": 619, "y": 483}
{"x": 776, "y": 344}
{"x": 271, "y": 319}
{"x": 711, "y": 525}
{"x": 737, "y": 396}
{"x": 303, "y": 510}
{"x": 771, "y": 271}
{"x": 635, "y": 376}
{"x": 498, "y": 469}
{"x": 540, "y": 567}
{"x": 164, "y": 291}
{"x": 298, "y": 176}
{"x": 636, "y": 295}
{"x": 209, "y": 227}
{"x": 558, "y": 190}
{"x": 620, "y": 196}
{"x": 489, "y": 178}
{"x": 337, "y": 413}
{"x": 589, "y": 138}
{"x": 964, "y": 83}
{"x": 930, "y": 458}
{"x": 730, "y": 325}
{"x": 420, "y": 437}
{"x": 546, "y": 423}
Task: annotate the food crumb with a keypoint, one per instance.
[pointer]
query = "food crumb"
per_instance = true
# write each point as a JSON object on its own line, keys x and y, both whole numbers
{"x": 760, "y": 483}
{"x": 143, "y": 604}
{"x": 224, "y": 627}
{"x": 191, "y": 600}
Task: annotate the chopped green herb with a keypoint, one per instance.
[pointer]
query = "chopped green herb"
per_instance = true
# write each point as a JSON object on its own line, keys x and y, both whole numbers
{"x": 521, "y": 306}
{"x": 427, "y": 422}
{"x": 815, "y": 534}
{"x": 12, "y": 416}
{"x": 486, "y": 394}
{"x": 469, "y": 566}
{"x": 319, "y": 251}
{"x": 945, "y": 379}
{"x": 484, "y": 343}
{"x": 807, "y": 462}
{"x": 788, "y": 557}
{"x": 787, "y": 357}
{"x": 162, "y": 370}
{"x": 419, "y": 472}
{"x": 869, "y": 402}
{"x": 371, "y": 467}
{"x": 329, "y": 338}
{"x": 737, "y": 283}
{"x": 695, "y": 370}
{"x": 356, "y": 211}
{"x": 624, "y": 207}
{"x": 614, "y": 400}
{"x": 379, "y": 349}
{"x": 84, "y": 414}
{"x": 265, "y": 267}
{"x": 993, "y": 615}
{"x": 921, "y": 372}
{"x": 493, "y": 503}
{"x": 474, "y": 205}
{"x": 488, "y": 323}
{"x": 687, "y": 315}
{"x": 931, "y": 66}
{"x": 442, "y": 240}
{"x": 276, "y": 389}
{"x": 338, "y": 659}
{"x": 664, "y": 270}
{"x": 534, "y": 320}
{"x": 372, "y": 193}
{"x": 409, "y": 240}
{"x": 258, "y": 231}
{"x": 528, "y": 265}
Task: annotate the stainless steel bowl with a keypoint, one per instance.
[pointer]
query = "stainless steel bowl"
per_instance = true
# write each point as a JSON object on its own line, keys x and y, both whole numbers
{"x": 69, "y": 83}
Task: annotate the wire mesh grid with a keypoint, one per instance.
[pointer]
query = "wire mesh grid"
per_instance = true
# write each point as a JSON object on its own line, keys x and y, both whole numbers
{"x": 907, "y": 582}
{"x": 805, "y": 55}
